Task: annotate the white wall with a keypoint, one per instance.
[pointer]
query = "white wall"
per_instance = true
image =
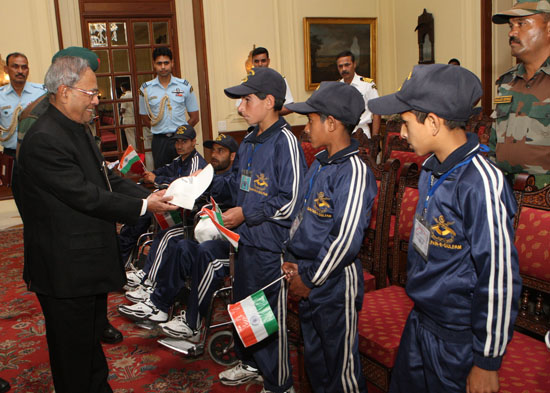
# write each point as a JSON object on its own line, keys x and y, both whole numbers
{"x": 28, "y": 26}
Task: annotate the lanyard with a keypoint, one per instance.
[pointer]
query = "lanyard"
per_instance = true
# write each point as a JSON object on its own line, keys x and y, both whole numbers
{"x": 320, "y": 168}
{"x": 254, "y": 148}
{"x": 441, "y": 180}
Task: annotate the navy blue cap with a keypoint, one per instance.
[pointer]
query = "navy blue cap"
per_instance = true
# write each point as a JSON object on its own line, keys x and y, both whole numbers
{"x": 446, "y": 90}
{"x": 338, "y": 99}
{"x": 225, "y": 141}
{"x": 185, "y": 132}
{"x": 259, "y": 80}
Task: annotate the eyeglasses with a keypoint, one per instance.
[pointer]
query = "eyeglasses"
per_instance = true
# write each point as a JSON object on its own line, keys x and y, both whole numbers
{"x": 90, "y": 93}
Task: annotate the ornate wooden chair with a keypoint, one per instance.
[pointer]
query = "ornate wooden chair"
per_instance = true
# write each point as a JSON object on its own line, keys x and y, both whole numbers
{"x": 374, "y": 251}
{"x": 384, "y": 313}
{"x": 526, "y": 364}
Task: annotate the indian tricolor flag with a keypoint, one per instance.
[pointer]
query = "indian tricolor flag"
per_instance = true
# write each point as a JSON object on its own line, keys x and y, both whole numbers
{"x": 169, "y": 218}
{"x": 128, "y": 159}
{"x": 215, "y": 215}
{"x": 253, "y": 318}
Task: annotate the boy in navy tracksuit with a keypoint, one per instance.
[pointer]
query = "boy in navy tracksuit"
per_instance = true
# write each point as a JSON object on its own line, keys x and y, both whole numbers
{"x": 188, "y": 162}
{"x": 325, "y": 238}
{"x": 264, "y": 186}
{"x": 463, "y": 273}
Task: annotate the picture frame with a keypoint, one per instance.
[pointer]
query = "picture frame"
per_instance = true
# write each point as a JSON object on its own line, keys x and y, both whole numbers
{"x": 325, "y": 38}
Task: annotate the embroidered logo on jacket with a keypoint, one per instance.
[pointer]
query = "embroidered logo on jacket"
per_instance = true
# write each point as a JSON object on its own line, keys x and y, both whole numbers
{"x": 442, "y": 235}
{"x": 321, "y": 205}
{"x": 259, "y": 185}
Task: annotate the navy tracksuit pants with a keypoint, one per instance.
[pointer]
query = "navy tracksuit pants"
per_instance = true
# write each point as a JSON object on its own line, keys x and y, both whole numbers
{"x": 328, "y": 318}
{"x": 206, "y": 263}
{"x": 255, "y": 268}
{"x": 163, "y": 249}
{"x": 129, "y": 234}
{"x": 431, "y": 358}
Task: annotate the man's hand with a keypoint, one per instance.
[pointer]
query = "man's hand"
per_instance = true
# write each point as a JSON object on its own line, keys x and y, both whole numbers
{"x": 233, "y": 217}
{"x": 297, "y": 286}
{"x": 149, "y": 177}
{"x": 482, "y": 381}
{"x": 158, "y": 203}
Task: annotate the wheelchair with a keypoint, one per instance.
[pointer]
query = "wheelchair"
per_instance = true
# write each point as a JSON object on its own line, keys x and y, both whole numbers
{"x": 220, "y": 345}
{"x": 216, "y": 338}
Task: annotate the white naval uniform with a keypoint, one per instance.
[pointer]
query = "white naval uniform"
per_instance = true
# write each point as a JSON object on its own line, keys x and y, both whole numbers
{"x": 367, "y": 88}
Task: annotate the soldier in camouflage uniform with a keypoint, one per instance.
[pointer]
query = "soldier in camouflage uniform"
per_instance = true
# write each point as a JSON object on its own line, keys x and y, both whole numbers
{"x": 520, "y": 136}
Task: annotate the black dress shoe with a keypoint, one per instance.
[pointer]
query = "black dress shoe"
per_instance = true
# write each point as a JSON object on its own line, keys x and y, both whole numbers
{"x": 4, "y": 385}
{"x": 111, "y": 335}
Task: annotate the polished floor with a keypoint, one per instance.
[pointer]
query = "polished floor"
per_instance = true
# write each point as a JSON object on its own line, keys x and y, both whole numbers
{"x": 9, "y": 216}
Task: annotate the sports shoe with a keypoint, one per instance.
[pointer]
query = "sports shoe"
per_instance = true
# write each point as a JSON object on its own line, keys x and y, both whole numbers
{"x": 134, "y": 277}
{"x": 179, "y": 328}
{"x": 143, "y": 311}
{"x": 239, "y": 374}
{"x": 291, "y": 390}
{"x": 140, "y": 294}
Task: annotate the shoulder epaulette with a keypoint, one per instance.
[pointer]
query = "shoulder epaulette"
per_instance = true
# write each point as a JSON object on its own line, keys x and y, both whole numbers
{"x": 365, "y": 79}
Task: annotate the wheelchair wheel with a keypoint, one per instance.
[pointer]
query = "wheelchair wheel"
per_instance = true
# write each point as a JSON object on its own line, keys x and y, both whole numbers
{"x": 221, "y": 348}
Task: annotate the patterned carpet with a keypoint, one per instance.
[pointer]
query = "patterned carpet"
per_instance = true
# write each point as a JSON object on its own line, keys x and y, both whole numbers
{"x": 138, "y": 364}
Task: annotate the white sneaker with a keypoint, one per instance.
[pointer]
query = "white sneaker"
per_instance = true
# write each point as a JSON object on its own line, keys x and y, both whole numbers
{"x": 134, "y": 277}
{"x": 140, "y": 294}
{"x": 291, "y": 390}
{"x": 547, "y": 339}
{"x": 239, "y": 374}
{"x": 143, "y": 311}
{"x": 179, "y": 328}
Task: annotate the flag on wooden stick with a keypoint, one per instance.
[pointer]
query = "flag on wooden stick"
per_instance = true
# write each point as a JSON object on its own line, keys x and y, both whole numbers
{"x": 128, "y": 159}
{"x": 253, "y": 318}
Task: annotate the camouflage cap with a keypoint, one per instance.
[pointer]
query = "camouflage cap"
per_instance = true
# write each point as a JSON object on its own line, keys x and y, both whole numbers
{"x": 522, "y": 8}
{"x": 77, "y": 51}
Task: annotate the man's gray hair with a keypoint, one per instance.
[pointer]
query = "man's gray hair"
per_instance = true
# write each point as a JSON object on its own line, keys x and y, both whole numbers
{"x": 64, "y": 71}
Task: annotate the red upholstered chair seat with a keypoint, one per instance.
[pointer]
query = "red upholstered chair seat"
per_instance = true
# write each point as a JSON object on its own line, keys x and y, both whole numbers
{"x": 525, "y": 367}
{"x": 381, "y": 323}
{"x": 532, "y": 236}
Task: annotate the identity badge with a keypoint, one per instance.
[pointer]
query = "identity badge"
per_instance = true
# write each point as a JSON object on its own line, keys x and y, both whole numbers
{"x": 246, "y": 178}
{"x": 421, "y": 236}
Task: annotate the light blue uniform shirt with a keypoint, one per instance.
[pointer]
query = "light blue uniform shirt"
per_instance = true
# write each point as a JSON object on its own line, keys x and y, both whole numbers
{"x": 181, "y": 96}
{"x": 9, "y": 100}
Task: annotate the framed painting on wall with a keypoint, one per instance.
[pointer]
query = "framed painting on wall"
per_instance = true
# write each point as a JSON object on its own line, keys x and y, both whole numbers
{"x": 325, "y": 38}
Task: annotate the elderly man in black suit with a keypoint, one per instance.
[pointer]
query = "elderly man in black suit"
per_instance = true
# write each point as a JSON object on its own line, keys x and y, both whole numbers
{"x": 71, "y": 203}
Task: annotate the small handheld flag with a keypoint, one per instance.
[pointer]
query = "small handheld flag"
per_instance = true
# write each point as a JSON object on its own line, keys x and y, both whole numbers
{"x": 128, "y": 159}
{"x": 253, "y": 318}
{"x": 215, "y": 215}
{"x": 169, "y": 219}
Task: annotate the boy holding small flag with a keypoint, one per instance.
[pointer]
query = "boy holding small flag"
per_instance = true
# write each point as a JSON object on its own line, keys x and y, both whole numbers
{"x": 325, "y": 237}
{"x": 264, "y": 188}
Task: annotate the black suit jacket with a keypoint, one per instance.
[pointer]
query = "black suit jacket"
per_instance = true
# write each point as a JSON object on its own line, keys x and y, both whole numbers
{"x": 69, "y": 212}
